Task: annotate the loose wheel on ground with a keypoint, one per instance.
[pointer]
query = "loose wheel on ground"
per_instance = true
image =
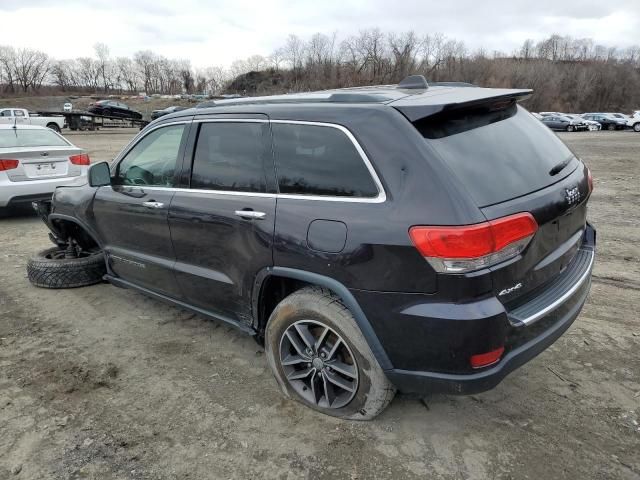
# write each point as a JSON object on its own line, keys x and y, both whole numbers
{"x": 50, "y": 269}
{"x": 320, "y": 358}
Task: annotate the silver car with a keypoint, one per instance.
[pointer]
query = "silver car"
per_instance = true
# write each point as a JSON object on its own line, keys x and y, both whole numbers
{"x": 34, "y": 161}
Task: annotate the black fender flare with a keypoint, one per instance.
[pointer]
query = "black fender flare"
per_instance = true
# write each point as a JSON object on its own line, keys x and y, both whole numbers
{"x": 339, "y": 289}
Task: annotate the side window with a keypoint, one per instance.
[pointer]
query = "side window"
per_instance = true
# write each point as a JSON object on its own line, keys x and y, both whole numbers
{"x": 319, "y": 160}
{"x": 18, "y": 113}
{"x": 5, "y": 113}
{"x": 231, "y": 156}
{"x": 152, "y": 161}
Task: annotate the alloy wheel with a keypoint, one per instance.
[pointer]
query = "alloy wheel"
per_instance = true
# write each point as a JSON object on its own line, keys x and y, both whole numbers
{"x": 318, "y": 364}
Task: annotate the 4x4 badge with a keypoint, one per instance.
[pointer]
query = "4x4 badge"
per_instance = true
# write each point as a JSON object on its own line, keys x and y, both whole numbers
{"x": 506, "y": 291}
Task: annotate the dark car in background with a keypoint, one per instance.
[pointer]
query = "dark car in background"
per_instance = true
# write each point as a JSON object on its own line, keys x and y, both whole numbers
{"x": 159, "y": 113}
{"x": 563, "y": 123}
{"x": 348, "y": 232}
{"x": 608, "y": 122}
{"x": 111, "y": 108}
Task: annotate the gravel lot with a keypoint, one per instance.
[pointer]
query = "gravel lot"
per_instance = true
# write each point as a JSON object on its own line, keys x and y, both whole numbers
{"x": 103, "y": 383}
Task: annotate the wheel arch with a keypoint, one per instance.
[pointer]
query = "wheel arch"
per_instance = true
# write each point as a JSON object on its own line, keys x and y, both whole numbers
{"x": 274, "y": 283}
{"x": 63, "y": 224}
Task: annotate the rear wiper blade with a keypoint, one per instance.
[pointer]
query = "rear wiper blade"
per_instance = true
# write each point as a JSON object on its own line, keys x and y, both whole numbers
{"x": 559, "y": 167}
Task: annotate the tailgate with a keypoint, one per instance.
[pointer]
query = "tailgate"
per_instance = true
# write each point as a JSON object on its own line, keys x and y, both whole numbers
{"x": 510, "y": 163}
{"x": 561, "y": 227}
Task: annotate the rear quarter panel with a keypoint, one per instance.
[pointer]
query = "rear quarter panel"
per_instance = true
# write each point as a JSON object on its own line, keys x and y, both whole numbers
{"x": 378, "y": 253}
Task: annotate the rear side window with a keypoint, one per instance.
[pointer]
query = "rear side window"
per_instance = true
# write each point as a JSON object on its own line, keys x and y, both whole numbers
{"x": 231, "y": 156}
{"x": 498, "y": 155}
{"x": 319, "y": 160}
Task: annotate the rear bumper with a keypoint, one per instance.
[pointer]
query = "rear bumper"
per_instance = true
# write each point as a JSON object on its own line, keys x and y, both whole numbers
{"x": 442, "y": 337}
{"x": 432, "y": 382}
{"x": 15, "y": 193}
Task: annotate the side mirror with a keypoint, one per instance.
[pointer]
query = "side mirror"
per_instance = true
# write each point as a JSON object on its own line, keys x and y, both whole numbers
{"x": 99, "y": 175}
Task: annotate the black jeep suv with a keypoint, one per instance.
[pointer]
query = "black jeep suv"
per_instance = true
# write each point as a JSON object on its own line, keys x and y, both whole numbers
{"x": 412, "y": 237}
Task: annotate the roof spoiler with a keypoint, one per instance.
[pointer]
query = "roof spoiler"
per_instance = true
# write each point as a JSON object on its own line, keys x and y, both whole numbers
{"x": 415, "y": 107}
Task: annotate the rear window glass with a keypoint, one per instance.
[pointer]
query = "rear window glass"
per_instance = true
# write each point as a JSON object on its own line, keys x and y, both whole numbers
{"x": 498, "y": 155}
{"x": 318, "y": 160}
{"x": 30, "y": 138}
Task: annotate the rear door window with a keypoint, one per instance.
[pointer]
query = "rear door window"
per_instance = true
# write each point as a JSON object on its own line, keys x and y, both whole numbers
{"x": 497, "y": 155}
{"x": 231, "y": 156}
{"x": 319, "y": 160}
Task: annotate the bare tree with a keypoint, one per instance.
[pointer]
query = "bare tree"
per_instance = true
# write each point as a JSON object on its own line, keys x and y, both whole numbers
{"x": 30, "y": 68}
{"x": 7, "y": 66}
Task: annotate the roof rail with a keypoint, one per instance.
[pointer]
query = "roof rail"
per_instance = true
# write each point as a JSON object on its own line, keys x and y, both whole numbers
{"x": 452, "y": 84}
{"x": 414, "y": 82}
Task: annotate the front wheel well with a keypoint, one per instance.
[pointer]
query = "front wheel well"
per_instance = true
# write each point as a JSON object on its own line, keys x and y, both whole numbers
{"x": 65, "y": 229}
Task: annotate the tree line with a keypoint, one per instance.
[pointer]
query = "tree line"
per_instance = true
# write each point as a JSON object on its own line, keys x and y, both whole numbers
{"x": 567, "y": 74}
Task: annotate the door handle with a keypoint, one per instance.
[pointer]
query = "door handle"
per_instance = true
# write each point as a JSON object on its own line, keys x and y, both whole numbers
{"x": 153, "y": 204}
{"x": 250, "y": 214}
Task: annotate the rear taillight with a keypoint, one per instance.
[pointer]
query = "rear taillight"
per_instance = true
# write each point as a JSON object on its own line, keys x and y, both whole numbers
{"x": 472, "y": 247}
{"x": 590, "y": 180}
{"x": 6, "y": 164}
{"x": 82, "y": 159}
{"x": 486, "y": 359}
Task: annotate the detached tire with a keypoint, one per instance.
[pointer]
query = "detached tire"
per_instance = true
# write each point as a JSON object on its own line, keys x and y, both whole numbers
{"x": 49, "y": 269}
{"x": 321, "y": 359}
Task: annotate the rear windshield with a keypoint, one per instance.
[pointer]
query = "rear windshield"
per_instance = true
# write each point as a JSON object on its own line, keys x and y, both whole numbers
{"x": 30, "y": 138}
{"x": 498, "y": 154}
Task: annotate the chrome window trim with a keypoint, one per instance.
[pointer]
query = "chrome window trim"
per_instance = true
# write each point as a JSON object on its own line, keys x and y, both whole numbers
{"x": 380, "y": 198}
{"x": 230, "y": 120}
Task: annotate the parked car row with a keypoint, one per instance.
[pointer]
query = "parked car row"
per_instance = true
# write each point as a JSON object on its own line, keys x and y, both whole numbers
{"x": 571, "y": 122}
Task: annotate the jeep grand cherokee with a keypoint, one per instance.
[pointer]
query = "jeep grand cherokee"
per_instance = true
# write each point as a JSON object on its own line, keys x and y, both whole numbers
{"x": 426, "y": 238}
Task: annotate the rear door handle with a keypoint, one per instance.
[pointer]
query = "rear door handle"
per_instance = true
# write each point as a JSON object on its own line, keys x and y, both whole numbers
{"x": 153, "y": 204}
{"x": 250, "y": 214}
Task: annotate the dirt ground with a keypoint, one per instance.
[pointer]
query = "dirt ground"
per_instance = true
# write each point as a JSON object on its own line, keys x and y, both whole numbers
{"x": 104, "y": 383}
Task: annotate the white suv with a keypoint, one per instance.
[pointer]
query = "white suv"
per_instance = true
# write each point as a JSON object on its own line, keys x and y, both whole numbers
{"x": 634, "y": 121}
{"x": 34, "y": 161}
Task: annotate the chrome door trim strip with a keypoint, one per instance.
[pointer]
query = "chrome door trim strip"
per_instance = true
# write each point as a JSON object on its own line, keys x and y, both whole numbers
{"x": 380, "y": 198}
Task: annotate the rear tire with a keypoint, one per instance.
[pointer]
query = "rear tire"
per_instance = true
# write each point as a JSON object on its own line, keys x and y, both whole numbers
{"x": 320, "y": 313}
{"x": 636, "y": 127}
{"x": 611, "y": 127}
{"x": 47, "y": 270}
{"x": 54, "y": 127}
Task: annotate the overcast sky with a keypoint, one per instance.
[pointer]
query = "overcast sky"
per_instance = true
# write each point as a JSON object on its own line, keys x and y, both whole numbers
{"x": 212, "y": 32}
